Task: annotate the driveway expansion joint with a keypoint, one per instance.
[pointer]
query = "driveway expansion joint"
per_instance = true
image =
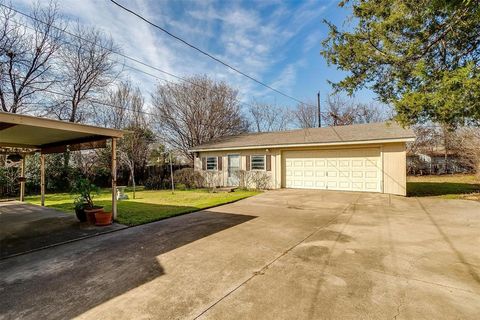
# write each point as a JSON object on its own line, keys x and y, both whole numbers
{"x": 265, "y": 268}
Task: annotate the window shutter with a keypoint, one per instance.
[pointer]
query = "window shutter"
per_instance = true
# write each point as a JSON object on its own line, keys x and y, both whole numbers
{"x": 219, "y": 161}
{"x": 204, "y": 163}
{"x": 268, "y": 160}
{"x": 248, "y": 163}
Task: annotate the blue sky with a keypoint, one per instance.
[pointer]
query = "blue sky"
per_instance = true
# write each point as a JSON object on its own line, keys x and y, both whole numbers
{"x": 275, "y": 41}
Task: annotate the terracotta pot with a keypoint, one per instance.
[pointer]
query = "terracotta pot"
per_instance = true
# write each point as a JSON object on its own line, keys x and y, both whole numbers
{"x": 91, "y": 214}
{"x": 103, "y": 218}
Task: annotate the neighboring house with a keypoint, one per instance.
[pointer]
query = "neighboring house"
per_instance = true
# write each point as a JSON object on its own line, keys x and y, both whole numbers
{"x": 433, "y": 162}
{"x": 364, "y": 157}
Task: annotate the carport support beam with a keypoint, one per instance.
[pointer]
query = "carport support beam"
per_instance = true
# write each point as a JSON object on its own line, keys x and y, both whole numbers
{"x": 22, "y": 182}
{"x": 42, "y": 179}
{"x": 114, "y": 178}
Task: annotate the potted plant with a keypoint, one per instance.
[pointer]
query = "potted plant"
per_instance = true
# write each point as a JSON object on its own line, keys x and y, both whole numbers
{"x": 80, "y": 209}
{"x": 103, "y": 218}
{"x": 86, "y": 191}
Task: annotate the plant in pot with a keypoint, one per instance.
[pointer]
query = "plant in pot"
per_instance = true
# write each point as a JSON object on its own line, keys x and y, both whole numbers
{"x": 86, "y": 192}
{"x": 80, "y": 209}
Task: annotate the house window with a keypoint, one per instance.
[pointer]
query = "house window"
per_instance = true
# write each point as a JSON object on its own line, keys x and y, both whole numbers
{"x": 257, "y": 162}
{"x": 212, "y": 163}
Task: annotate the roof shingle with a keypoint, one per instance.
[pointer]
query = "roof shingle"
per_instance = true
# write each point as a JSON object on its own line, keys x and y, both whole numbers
{"x": 339, "y": 134}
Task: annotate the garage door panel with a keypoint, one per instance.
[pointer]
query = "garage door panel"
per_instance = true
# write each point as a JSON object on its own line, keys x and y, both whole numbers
{"x": 357, "y": 174}
{"x": 331, "y": 174}
{"x": 320, "y": 173}
{"x": 370, "y": 174}
{"x": 344, "y": 163}
{"x": 344, "y": 174}
{"x": 346, "y": 169}
{"x": 319, "y": 163}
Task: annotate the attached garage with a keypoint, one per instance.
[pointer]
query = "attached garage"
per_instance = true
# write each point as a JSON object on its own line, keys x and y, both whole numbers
{"x": 337, "y": 169}
{"x": 365, "y": 158}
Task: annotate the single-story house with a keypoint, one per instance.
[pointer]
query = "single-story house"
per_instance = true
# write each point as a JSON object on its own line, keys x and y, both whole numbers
{"x": 363, "y": 157}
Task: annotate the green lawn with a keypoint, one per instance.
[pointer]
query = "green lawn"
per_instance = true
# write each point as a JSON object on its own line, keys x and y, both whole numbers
{"x": 149, "y": 205}
{"x": 458, "y": 186}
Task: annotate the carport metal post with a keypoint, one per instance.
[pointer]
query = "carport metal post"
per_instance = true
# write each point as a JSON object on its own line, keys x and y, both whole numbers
{"x": 42, "y": 179}
{"x": 114, "y": 178}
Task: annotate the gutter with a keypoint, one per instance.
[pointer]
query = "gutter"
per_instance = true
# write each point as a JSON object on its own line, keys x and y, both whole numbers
{"x": 293, "y": 145}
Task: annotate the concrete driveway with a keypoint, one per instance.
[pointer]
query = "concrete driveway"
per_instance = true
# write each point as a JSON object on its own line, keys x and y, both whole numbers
{"x": 287, "y": 254}
{"x": 25, "y": 227}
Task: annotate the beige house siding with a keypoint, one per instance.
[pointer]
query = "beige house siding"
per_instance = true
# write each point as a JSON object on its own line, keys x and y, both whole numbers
{"x": 395, "y": 169}
{"x": 393, "y": 162}
{"x": 223, "y": 174}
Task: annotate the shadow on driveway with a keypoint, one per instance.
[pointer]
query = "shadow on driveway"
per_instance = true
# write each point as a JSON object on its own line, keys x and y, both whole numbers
{"x": 66, "y": 281}
{"x": 25, "y": 227}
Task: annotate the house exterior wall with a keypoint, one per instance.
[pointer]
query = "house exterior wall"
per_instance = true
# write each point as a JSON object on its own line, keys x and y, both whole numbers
{"x": 223, "y": 174}
{"x": 394, "y": 168}
{"x": 393, "y": 157}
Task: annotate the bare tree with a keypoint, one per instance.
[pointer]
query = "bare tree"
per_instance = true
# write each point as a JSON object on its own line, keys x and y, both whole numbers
{"x": 196, "y": 111}
{"x": 368, "y": 113}
{"x": 345, "y": 111}
{"x": 460, "y": 146}
{"x": 26, "y": 56}
{"x": 133, "y": 150}
{"x": 306, "y": 116}
{"x": 340, "y": 111}
{"x": 125, "y": 106}
{"x": 127, "y": 112}
{"x": 89, "y": 68}
{"x": 470, "y": 144}
{"x": 266, "y": 117}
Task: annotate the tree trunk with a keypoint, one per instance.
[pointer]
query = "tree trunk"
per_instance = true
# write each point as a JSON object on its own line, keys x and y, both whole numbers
{"x": 132, "y": 176}
{"x": 445, "y": 147}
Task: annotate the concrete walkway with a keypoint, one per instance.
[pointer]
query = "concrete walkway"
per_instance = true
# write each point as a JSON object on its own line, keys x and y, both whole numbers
{"x": 25, "y": 227}
{"x": 287, "y": 254}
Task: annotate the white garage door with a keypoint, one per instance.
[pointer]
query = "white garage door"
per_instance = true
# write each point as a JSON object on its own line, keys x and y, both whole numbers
{"x": 345, "y": 169}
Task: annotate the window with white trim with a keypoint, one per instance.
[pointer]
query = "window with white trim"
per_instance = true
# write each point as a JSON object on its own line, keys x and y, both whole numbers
{"x": 257, "y": 162}
{"x": 212, "y": 163}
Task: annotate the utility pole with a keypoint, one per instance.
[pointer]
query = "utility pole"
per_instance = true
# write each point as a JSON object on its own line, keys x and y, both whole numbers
{"x": 319, "y": 110}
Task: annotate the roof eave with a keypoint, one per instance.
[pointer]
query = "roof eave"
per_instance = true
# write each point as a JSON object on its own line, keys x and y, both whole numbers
{"x": 17, "y": 119}
{"x": 296, "y": 145}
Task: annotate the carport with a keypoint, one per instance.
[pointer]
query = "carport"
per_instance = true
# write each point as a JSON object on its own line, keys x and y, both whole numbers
{"x": 25, "y": 135}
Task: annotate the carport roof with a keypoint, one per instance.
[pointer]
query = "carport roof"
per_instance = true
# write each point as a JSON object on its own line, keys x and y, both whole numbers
{"x": 381, "y": 132}
{"x": 28, "y": 132}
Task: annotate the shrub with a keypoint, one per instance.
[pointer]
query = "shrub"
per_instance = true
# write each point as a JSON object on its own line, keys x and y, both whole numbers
{"x": 211, "y": 180}
{"x": 155, "y": 183}
{"x": 188, "y": 177}
{"x": 259, "y": 180}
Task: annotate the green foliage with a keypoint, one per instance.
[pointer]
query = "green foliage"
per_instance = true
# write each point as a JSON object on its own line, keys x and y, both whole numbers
{"x": 86, "y": 191}
{"x": 453, "y": 99}
{"x": 421, "y": 56}
{"x": 59, "y": 175}
{"x": 156, "y": 183}
{"x": 9, "y": 186}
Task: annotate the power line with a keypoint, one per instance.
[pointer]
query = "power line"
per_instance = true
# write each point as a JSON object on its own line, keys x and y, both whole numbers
{"x": 99, "y": 102}
{"x": 206, "y": 53}
{"x": 117, "y": 53}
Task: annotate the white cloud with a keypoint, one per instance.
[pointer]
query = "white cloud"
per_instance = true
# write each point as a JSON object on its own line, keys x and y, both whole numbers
{"x": 254, "y": 41}
{"x": 313, "y": 40}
